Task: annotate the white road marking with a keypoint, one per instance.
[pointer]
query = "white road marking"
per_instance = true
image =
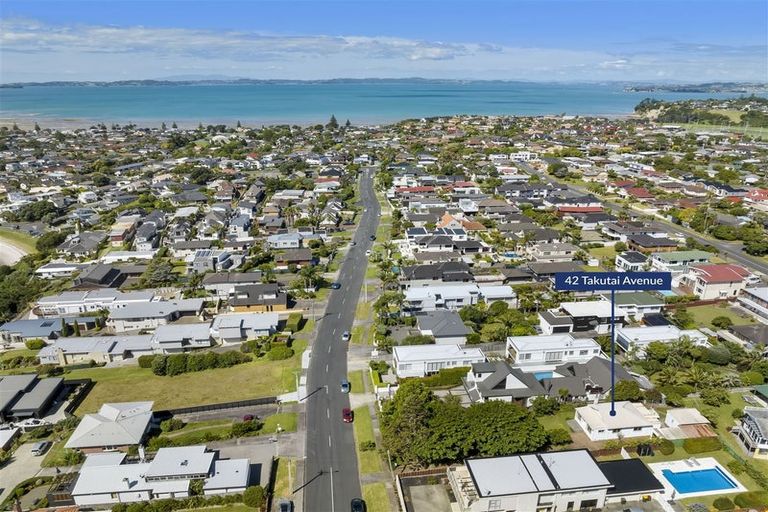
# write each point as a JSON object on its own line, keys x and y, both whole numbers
{"x": 326, "y": 368}
{"x": 329, "y": 349}
{"x": 329, "y": 440}
{"x": 328, "y": 413}
{"x": 339, "y": 315}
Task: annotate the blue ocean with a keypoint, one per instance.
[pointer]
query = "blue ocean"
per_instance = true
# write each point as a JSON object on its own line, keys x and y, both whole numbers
{"x": 362, "y": 102}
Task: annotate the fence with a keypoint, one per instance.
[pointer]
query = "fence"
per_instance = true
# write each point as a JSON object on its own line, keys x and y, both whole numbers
{"x": 219, "y": 406}
{"x": 83, "y": 386}
{"x": 695, "y": 303}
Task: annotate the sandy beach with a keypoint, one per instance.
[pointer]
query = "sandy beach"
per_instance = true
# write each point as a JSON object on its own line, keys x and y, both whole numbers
{"x": 10, "y": 253}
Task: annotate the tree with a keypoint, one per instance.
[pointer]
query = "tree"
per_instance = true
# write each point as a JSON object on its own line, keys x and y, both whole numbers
{"x": 683, "y": 319}
{"x": 501, "y": 428}
{"x": 76, "y": 328}
{"x": 405, "y": 421}
{"x": 254, "y": 496}
{"x": 418, "y": 339}
{"x": 715, "y": 397}
{"x": 628, "y": 390}
{"x": 332, "y": 123}
{"x": 545, "y": 406}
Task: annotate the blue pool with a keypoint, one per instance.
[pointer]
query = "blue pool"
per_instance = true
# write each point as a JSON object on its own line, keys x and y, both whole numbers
{"x": 542, "y": 375}
{"x": 700, "y": 480}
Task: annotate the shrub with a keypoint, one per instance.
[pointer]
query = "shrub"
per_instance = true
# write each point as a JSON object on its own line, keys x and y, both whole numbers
{"x": 254, "y": 496}
{"x": 628, "y": 390}
{"x": 35, "y": 344}
{"x": 718, "y": 355}
{"x": 737, "y": 414}
{"x": 279, "y": 352}
{"x": 544, "y": 405}
{"x": 715, "y": 397}
{"x": 751, "y": 378}
{"x": 722, "y": 322}
{"x": 293, "y": 324}
{"x": 367, "y": 446}
{"x": 177, "y": 364}
{"x": 244, "y": 428}
{"x": 666, "y": 447}
{"x": 723, "y": 503}
{"x": 159, "y": 365}
{"x": 445, "y": 378}
{"x": 702, "y": 445}
{"x": 473, "y": 338}
{"x": 736, "y": 467}
{"x": 559, "y": 436}
{"x": 171, "y": 424}
{"x": 146, "y": 361}
{"x": 417, "y": 339}
{"x": 752, "y": 499}
{"x": 653, "y": 396}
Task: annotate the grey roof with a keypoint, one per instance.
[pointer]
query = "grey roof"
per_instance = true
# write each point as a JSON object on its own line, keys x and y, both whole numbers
{"x": 116, "y": 424}
{"x": 229, "y": 474}
{"x": 576, "y": 376}
{"x": 232, "y": 277}
{"x": 495, "y": 385}
{"x": 11, "y": 386}
{"x": 181, "y": 461}
{"x": 42, "y": 327}
{"x": 634, "y": 257}
{"x": 159, "y": 309}
{"x": 442, "y": 323}
{"x": 176, "y": 332}
{"x": 38, "y": 396}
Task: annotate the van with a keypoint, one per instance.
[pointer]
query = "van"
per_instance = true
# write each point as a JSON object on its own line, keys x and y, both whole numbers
{"x": 40, "y": 448}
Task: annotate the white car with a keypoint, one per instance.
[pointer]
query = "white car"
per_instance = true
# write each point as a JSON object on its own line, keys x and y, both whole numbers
{"x": 345, "y": 336}
{"x": 368, "y": 252}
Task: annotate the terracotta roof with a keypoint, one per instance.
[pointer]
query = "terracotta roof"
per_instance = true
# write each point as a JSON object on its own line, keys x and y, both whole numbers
{"x": 721, "y": 273}
{"x": 416, "y": 189}
{"x": 639, "y": 192}
{"x": 579, "y": 209}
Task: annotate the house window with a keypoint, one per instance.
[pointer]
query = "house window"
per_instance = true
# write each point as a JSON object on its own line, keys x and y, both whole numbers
{"x": 525, "y": 357}
{"x": 588, "y": 504}
{"x": 637, "y": 429}
{"x": 553, "y": 356}
{"x": 494, "y": 505}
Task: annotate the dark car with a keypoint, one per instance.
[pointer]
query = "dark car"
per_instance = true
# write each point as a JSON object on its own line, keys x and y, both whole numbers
{"x": 285, "y": 506}
{"x": 335, "y": 286}
{"x": 372, "y": 237}
{"x": 249, "y": 417}
{"x": 347, "y": 415}
{"x": 357, "y": 505}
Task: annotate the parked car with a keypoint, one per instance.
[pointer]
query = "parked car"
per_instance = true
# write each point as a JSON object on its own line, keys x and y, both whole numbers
{"x": 347, "y": 415}
{"x": 368, "y": 252}
{"x": 40, "y": 448}
{"x": 353, "y": 243}
{"x": 345, "y": 386}
{"x": 357, "y": 505}
{"x": 285, "y": 505}
{"x": 249, "y": 417}
{"x": 345, "y": 336}
{"x": 372, "y": 237}
{"x": 335, "y": 286}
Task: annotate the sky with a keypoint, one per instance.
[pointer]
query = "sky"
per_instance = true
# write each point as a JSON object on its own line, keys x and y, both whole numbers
{"x": 689, "y": 41}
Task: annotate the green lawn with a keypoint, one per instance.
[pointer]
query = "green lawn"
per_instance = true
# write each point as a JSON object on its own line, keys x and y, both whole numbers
{"x": 559, "y": 419}
{"x": 55, "y": 454}
{"x": 376, "y": 499}
{"x": 250, "y": 380}
{"x": 19, "y": 239}
{"x": 703, "y": 315}
{"x": 370, "y": 462}
{"x": 286, "y": 420}
{"x": 603, "y": 252}
{"x": 363, "y": 310}
{"x": 285, "y": 479}
{"x": 356, "y": 381}
{"x": 372, "y": 271}
{"x": 10, "y": 354}
{"x": 224, "y": 508}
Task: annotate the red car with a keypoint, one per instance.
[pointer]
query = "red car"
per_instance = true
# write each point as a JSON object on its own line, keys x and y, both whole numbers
{"x": 249, "y": 417}
{"x": 347, "y": 415}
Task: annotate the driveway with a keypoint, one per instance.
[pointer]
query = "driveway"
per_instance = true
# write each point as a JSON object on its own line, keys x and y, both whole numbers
{"x": 23, "y": 465}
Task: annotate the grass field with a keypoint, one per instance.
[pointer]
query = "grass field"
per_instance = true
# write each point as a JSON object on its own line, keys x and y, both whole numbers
{"x": 558, "y": 420}
{"x": 733, "y": 115}
{"x": 250, "y": 380}
{"x": 356, "y": 381}
{"x": 363, "y": 311}
{"x": 285, "y": 479}
{"x": 376, "y": 499}
{"x": 370, "y": 462}
{"x": 55, "y": 454}
{"x": 10, "y": 354}
{"x": 21, "y": 240}
{"x": 287, "y": 421}
{"x": 761, "y": 133}
{"x": 603, "y": 252}
{"x": 703, "y": 315}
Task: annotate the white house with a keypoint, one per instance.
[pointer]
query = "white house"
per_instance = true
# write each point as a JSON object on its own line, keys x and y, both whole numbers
{"x": 108, "y": 478}
{"x": 631, "y": 420}
{"x": 640, "y": 337}
{"x": 76, "y": 302}
{"x": 134, "y": 317}
{"x": 580, "y": 317}
{"x": 755, "y": 300}
{"x": 237, "y": 327}
{"x": 543, "y": 353}
{"x": 117, "y": 426}
{"x": 423, "y": 360}
{"x": 753, "y": 431}
{"x": 454, "y": 297}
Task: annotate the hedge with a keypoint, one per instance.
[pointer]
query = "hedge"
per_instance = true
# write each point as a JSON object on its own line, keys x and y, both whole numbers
{"x": 701, "y": 445}
{"x": 35, "y": 344}
{"x": 279, "y": 352}
{"x": 723, "y": 503}
{"x": 666, "y": 447}
{"x": 752, "y": 499}
{"x": 446, "y": 378}
{"x": 169, "y": 505}
{"x": 146, "y": 361}
{"x": 751, "y": 378}
{"x": 293, "y": 324}
{"x": 176, "y": 364}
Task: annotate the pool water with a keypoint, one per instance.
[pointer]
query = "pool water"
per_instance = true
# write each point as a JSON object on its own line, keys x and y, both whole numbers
{"x": 700, "y": 480}
{"x": 542, "y": 375}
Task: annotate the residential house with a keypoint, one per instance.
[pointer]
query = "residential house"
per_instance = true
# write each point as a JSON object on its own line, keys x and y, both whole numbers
{"x": 172, "y": 338}
{"x": 150, "y": 315}
{"x": 648, "y": 244}
{"x": 99, "y": 349}
{"x": 551, "y": 253}
{"x": 285, "y": 241}
{"x": 678, "y": 262}
{"x": 55, "y": 270}
{"x": 258, "y": 298}
{"x": 82, "y": 244}
{"x": 753, "y": 432}
{"x": 755, "y": 300}
{"x": 46, "y": 329}
{"x": 77, "y": 302}
{"x": 454, "y": 297}
{"x": 631, "y": 420}
{"x": 540, "y": 354}
{"x": 580, "y": 317}
{"x": 209, "y": 260}
{"x": 430, "y": 275}
{"x": 638, "y": 338}
{"x": 239, "y": 327}
{"x": 718, "y": 281}
{"x": 685, "y": 423}
{"x": 498, "y": 380}
{"x": 109, "y": 478}
{"x": 631, "y": 261}
{"x": 116, "y": 427}
{"x": 637, "y": 304}
{"x": 589, "y": 381}
{"x": 423, "y": 360}
{"x": 222, "y": 284}
{"x": 27, "y": 395}
{"x": 446, "y": 327}
{"x": 298, "y": 257}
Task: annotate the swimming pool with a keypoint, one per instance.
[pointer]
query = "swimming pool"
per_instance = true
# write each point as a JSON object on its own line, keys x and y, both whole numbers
{"x": 699, "y": 480}
{"x": 542, "y": 375}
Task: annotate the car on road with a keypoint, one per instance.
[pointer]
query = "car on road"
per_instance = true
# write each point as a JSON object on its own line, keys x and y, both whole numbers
{"x": 347, "y": 415}
{"x": 249, "y": 417}
{"x": 335, "y": 286}
{"x": 345, "y": 386}
{"x": 285, "y": 505}
{"x": 353, "y": 243}
{"x": 368, "y": 252}
{"x": 40, "y": 448}
{"x": 357, "y": 505}
{"x": 345, "y": 336}
{"x": 372, "y": 237}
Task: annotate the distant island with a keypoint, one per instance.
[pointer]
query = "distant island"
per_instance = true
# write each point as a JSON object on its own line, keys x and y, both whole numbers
{"x": 713, "y": 87}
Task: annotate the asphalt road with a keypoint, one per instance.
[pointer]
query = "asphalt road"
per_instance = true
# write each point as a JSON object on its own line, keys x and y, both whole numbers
{"x": 731, "y": 251}
{"x": 331, "y": 477}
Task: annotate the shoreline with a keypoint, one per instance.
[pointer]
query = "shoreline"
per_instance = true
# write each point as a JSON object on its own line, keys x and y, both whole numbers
{"x": 10, "y": 253}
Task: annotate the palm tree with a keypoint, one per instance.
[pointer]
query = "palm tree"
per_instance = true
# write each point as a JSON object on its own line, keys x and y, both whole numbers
{"x": 668, "y": 376}
{"x": 698, "y": 377}
{"x": 389, "y": 247}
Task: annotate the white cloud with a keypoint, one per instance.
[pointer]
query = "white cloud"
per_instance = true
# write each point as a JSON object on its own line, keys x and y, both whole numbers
{"x": 32, "y": 50}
